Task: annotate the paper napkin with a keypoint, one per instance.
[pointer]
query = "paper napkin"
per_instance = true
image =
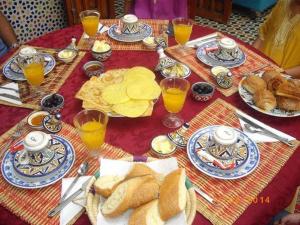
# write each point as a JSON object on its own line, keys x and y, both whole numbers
{"x": 10, "y": 93}
{"x": 261, "y": 137}
{"x": 72, "y": 209}
{"x": 101, "y": 29}
{"x": 117, "y": 167}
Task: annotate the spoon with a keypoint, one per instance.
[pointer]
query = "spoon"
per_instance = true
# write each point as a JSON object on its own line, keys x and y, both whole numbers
{"x": 83, "y": 168}
{"x": 252, "y": 129}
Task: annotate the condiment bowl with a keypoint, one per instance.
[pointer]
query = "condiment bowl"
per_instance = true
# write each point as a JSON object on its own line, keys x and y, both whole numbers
{"x": 35, "y": 119}
{"x": 162, "y": 146}
{"x": 52, "y": 103}
{"x": 102, "y": 56}
{"x": 66, "y": 55}
{"x": 217, "y": 70}
{"x": 202, "y": 91}
{"x": 93, "y": 68}
{"x": 149, "y": 42}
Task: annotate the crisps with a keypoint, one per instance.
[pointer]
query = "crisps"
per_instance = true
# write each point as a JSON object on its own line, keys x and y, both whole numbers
{"x": 115, "y": 93}
{"x": 131, "y": 108}
{"x": 143, "y": 90}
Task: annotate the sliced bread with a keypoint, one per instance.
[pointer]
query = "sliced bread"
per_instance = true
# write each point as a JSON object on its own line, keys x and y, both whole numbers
{"x": 147, "y": 214}
{"x": 172, "y": 198}
{"x": 105, "y": 185}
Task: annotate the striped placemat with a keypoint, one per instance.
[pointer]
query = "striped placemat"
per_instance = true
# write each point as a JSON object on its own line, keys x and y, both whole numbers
{"x": 253, "y": 62}
{"x": 232, "y": 197}
{"x": 117, "y": 45}
{"x": 33, "y": 206}
{"x": 53, "y": 81}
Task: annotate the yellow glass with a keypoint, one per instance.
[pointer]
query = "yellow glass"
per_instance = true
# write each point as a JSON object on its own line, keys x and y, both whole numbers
{"x": 91, "y": 125}
{"x": 34, "y": 73}
{"x": 90, "y": 21}
{"x": 174, "y": 92}
{"x": 182, "y": 30}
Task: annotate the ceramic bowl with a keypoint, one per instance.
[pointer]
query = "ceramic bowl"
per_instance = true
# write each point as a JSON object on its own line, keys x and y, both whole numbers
{"x": 162, "y": 146}
{"x": 149, "y": 42}
{"x": 66, "y": 55}
{"x": 93, "y": 68}
{"x": 102, "y": 56}
{"x": 217, "y": 70}
{"x": 35, "y": 119}
{"x": 52, "y": 103}
{"x": 202, "y": 91}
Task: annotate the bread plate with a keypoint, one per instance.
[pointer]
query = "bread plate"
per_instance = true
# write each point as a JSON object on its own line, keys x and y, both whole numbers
{"x": 248, "y": 99}
{"x": 93, "y": 199}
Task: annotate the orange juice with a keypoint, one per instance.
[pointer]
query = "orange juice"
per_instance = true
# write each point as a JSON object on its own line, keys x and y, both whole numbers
{"x": 182, "y": 33}
{"x": 90, "y": 24}
{"x": 34, "y": 73}
{"x": 173, "y": 99}
{"x": 92, "y": 134}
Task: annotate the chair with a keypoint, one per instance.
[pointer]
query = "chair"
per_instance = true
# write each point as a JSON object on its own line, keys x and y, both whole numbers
{"x": 74, "y": 7}
{"x": 255, "y": 5}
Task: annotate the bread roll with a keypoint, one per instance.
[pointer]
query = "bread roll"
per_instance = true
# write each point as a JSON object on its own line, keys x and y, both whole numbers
{"x": 140, "y": 169}
{"x": 290, "y": 89}
{"x": 265, "y": 100}
{"x": 253, "y": 83}
{"x": 147, "y": 214}
{"x": 105, "y": 185}
{"x": 288, "y": 104}
{"x": 273, "y": 79}
{"x": 130, "y": 194}
{"x": 172, "y": 198}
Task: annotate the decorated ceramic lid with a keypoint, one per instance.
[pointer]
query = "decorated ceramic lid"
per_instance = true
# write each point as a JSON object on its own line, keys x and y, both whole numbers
{"x": 36, "y": 140}
{"x": 227, "y": 43}
{"x": 164, "y": 61}
{"x": 224, "y": 135}
{"x": 130, "y": 18}
{"x": 27, "y": 51}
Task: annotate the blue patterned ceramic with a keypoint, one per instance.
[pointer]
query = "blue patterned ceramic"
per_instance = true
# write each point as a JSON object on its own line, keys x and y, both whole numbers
{"x": 186, "y": 72}
{"x": 246, "y": 159}
{"x": 144, "y": 31}
{"x": 248, "y": 98}
{"x": 31, "y": 177}
{"x": 12, "y": 71}
{"x": 210, "y": 58}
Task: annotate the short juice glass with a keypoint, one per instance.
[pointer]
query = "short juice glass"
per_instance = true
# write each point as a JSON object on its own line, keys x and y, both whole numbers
{"x": 174, "y": 91}
{"x": 91, "y": 125}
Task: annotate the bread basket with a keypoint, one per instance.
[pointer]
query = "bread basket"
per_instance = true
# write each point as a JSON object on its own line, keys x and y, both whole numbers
{"x": 92, "y": 199}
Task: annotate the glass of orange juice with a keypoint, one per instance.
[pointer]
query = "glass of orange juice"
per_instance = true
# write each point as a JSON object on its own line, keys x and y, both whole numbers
{"x": 90, "y": 22}
{"x": 174, "y": 91}
{"x": 91, "y": 125}
{"x": 182, "y": 30}
{"x": 33, "y": 70}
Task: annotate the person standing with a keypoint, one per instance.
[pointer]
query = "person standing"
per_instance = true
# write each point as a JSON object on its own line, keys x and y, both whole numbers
{"x": 279, "y": 36}
{"x": 8, "y": 38}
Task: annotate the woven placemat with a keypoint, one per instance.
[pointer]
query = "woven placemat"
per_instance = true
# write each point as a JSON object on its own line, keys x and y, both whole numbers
{"x": 53, "y": 81}
{"x": 117, "y": 45}
{"x": 33, "y": 206}
{"x": 253, "y": 62}
{"x": 231, "y": 197}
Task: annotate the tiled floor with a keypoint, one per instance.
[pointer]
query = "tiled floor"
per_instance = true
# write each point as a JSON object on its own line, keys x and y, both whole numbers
{"x": 241, "y": 23}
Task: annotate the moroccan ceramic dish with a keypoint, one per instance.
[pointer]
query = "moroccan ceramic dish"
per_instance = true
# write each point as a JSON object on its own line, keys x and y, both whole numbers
{"x": 202, "y": 91}
{"x": 35, "y": 119}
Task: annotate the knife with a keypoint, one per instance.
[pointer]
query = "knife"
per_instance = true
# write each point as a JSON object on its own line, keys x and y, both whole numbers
{"x": 266, "y": 131}
{"x": 61, "y": 205}
{"x": 203, "y": 194}
{"x": 194, "y": 43}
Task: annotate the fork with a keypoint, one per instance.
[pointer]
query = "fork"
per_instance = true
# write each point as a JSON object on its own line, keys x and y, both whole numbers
{"x": 15, "y": 135}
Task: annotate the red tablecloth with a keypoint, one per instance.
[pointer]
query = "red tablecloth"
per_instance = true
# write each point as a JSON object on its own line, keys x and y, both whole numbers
{"x": 134, "y": 135}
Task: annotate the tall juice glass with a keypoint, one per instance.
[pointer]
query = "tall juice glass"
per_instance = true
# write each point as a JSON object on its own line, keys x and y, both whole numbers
{"x": 91, "y": 125}
{"x": 174, "y": 91}
{"x": 33, "y": 70}
{"x": 182, "y": 30}
{"x": 90, "y": 22}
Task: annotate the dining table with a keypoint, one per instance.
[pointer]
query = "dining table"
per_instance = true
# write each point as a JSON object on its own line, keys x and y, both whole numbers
{"x": 134, "y": 135}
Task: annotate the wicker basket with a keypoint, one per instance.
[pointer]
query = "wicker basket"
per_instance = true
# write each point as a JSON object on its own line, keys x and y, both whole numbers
{"x": 93, "y": 199}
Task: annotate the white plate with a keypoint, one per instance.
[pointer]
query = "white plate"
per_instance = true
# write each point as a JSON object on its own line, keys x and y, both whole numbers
{"x": 248, "y": 99}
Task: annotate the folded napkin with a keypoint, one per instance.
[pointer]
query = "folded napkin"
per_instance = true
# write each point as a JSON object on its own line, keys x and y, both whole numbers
{"x": 10, "y": 93}
{"x": 101, "y": 29}
{"x": 72, "y": 209}
{"x": 121, "y": 168}
{"x": 260, "y": 136}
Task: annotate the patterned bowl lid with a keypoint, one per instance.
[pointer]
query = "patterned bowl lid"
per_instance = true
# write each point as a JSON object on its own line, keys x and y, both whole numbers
{"x": 36, "y": 140}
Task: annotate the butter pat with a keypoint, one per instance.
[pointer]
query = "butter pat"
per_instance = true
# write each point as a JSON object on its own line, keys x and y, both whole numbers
{"x": 162, "y": 146}
{"x": 149, "y": 40}
{"x": 100, "y": 46}
{"x": 65, "y": 54}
